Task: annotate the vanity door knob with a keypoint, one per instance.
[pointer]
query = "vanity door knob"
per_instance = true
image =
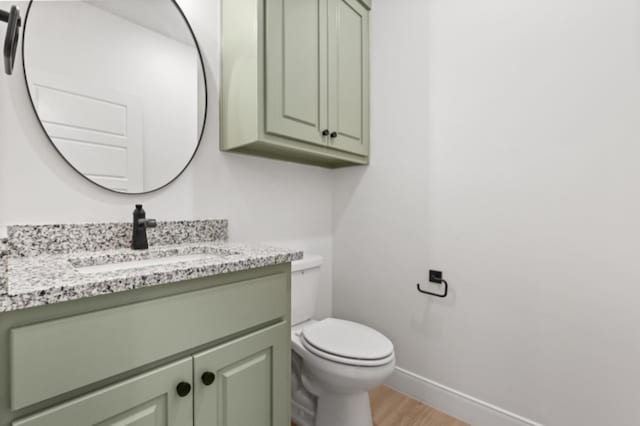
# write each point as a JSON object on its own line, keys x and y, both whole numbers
{"x": 334, "y": 135}
{"x": 183, "y": 389}
{"x": 208, "y": 378}
{"x": 325, "y": 132}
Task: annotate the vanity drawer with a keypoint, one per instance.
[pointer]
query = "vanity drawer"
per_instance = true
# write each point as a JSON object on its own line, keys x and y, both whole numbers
{"x": 52, "y": 358}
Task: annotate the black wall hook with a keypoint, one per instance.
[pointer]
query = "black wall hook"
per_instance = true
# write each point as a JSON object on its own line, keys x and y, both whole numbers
{"x": 13, "y": 20}
{"x": 436, "y": 278}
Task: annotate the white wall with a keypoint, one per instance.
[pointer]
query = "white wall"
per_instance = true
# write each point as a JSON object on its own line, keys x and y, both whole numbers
{"x": 264, "y": 200}
{"x": 505, "y": 151}
{"x": 115, "y": 55}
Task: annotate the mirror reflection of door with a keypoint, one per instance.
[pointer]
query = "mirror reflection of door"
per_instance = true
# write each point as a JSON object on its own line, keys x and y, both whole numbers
{"x": 118, "y": 86}
{"x": 97, "y": 130}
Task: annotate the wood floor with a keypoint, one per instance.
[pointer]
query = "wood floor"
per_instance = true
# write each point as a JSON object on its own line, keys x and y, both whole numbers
{"x": 391, "y": 408}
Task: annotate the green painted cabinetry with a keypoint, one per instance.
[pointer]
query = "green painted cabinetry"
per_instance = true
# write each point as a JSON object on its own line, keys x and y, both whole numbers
{"x": 244, "y": 382}
{"x": 296, "y": 85}
{"x": 348, "y": 73}
{"x": 150, "y": 399}
{"x": 295, "y": 80}
{"x": 119, "y": 359}
{"x": 251, "y": 381}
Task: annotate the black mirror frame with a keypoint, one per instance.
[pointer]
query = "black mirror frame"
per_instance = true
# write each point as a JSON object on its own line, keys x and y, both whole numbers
{"x": 204, "y": 119}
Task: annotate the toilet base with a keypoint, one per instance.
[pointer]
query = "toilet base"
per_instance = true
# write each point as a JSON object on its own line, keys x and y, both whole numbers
{"x": 344, "y": 410}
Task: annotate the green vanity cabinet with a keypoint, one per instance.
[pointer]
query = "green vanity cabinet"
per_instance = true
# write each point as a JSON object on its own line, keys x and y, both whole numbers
{"x": 149, "y": 399}
{"x": 250, "y": 384}
{"x": 244, "y": 382}
{"x": 139, "y": 357}
{"x": 295, "y": 80}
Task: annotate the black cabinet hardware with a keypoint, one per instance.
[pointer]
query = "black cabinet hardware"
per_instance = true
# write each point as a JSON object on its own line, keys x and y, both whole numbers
{"x": 334, "y": 135}
{"x": 208, "y": 378}
{"x": 183, "y": 389}
{"x": 325, "y": 132}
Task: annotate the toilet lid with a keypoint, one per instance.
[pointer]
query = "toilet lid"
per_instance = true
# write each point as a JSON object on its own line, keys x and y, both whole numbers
{"x": 346, "y": 339}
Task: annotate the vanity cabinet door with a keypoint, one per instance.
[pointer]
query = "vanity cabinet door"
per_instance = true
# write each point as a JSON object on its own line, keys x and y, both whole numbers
{"x": 349, "y": 76}
{"x": 246, "y": 381}
{"x": 296, "y": 78}
{"x": 150, "y": 399}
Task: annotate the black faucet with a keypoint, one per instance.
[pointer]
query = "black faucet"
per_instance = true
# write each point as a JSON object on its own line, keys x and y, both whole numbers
{"x": 140, "y": 225}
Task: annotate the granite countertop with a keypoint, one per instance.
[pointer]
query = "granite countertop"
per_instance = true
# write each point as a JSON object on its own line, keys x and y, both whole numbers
{"x": 41, "y": 265}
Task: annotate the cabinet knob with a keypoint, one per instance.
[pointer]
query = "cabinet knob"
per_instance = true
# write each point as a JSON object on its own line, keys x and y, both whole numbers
{"x": 183, "y": 389}
{"x": 208, "y": 378}
{"x": 325, "y": 132}
{"x": 334, "y": 135}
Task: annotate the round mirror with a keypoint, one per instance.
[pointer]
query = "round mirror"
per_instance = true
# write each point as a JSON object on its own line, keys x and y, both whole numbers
{"x": 118, "y": 86}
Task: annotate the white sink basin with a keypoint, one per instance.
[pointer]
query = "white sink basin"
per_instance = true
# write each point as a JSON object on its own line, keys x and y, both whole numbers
{"x": 141, "y": 263}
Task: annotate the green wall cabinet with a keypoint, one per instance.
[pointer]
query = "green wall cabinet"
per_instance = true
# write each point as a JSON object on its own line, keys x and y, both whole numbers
{"x": 295, "y": 80}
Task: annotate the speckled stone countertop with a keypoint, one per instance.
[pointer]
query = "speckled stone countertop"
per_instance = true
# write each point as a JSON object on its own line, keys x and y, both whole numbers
{"x": 41, "y": 265}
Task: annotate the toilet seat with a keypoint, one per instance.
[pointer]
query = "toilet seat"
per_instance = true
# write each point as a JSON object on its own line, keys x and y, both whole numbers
{"x": 348, "y": 343}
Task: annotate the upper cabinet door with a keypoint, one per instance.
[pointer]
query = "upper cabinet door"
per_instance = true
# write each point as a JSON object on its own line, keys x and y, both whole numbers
{"x": 296, "y": 78}
{"x": 150, "y": 399}
{"x": 349, "y": 76}
{"x": 246, "y": 381}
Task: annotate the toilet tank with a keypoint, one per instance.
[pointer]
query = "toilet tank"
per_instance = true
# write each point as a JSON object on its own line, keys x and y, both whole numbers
{"x": 305, "y": 280}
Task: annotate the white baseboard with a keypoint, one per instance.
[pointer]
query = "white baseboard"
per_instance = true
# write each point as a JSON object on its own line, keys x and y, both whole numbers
{"x": 457, "y": 404}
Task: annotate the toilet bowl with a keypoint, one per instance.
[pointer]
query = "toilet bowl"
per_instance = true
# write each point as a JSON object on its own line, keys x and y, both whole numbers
{"x": 335, "y": 362}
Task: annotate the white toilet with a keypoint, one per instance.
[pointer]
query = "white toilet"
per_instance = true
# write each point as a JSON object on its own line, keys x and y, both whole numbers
{"x": 334, "y": 362}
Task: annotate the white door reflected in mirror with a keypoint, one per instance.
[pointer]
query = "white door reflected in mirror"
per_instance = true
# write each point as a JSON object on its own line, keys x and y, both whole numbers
{"x": 119, "y": 88}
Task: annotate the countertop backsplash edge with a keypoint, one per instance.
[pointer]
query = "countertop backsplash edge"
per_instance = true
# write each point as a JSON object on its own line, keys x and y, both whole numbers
{"x": 35, "y": 240}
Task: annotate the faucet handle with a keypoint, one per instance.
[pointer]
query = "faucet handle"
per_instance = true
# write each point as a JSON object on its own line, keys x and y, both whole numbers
{"x": 151, "y": 223}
